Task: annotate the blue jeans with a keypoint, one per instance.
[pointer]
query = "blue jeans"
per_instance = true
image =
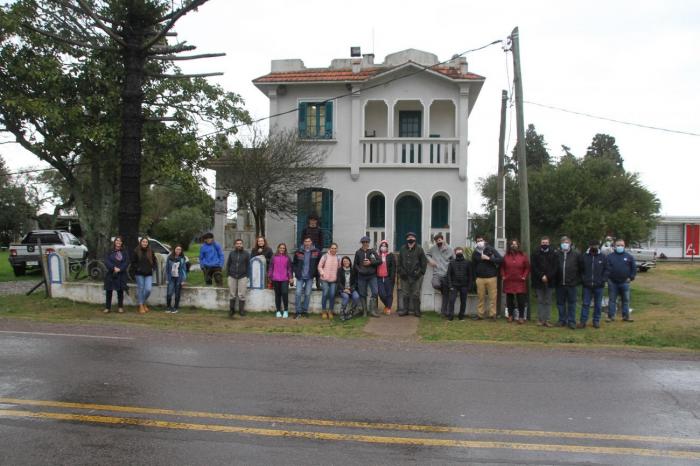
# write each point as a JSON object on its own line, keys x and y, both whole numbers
{"x": 615, "y": 289}
{"x": 566, "y": 304}
{"x": 345, "y": 298}
{"x": 367, "y": 280}
{"x": 303, "y": 286}
{"x": 143, "y": 288}
{"x": 174, "y": 288}
{"x": 597, "y": 295}
{"x": 327, "y": 295}
{"x": 385, "y": 287}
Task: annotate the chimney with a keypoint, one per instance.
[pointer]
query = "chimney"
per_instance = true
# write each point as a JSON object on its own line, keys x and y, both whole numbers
{"x": 356, "y": 65}
{"x": 368, "y": 59}
{"x": 463, "y": 66}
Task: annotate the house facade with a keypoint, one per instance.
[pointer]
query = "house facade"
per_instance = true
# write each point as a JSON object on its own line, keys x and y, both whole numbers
{"x": 395, "y": 138}
{"x": 676, "y": 237}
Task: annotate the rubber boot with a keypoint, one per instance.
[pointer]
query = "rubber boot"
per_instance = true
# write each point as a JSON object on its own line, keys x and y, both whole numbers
{"x": 405, "y": 308}
{"x": 415, "y": 303}
{"x": 363, "y": 303}
{"x": 231, "y": 307}
{"x": 373, "y": 307}
{"x": 241, "y": 307}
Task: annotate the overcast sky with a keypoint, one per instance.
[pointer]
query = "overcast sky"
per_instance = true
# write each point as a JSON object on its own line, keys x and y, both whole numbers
{"x": 634, "y": 61}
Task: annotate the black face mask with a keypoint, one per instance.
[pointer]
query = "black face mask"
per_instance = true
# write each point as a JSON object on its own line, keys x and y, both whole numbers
{"x": 544, "y": 248}
{"x": 594, "y": 250}
{"x": 460, "y": 256}
{"x": 411, "y": 241}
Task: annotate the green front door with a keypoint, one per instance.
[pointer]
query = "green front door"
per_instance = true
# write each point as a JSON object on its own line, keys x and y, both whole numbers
{"x": 410, "y": 123}
{"x": 409, "y": 214}
{"x": 319, "y": 202}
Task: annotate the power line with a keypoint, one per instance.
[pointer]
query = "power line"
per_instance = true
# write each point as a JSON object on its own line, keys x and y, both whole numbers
{"x": 622, "y": 122}
{"x": 421, "y": 69}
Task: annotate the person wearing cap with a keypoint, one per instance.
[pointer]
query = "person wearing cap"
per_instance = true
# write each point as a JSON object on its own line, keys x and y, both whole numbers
{"x": 622, "y": 269}
{"x": 365, "y": 263}
{"x": 439, "y": 256}
{"x": 386, "y": 274}
{"x": 211, "y": 260}
{"x": 486, "y": 261}
{"x": 459, "y": 280}
{"x": 568, "y": 279}
{"x": 411, "y": 268}
{"x": 594, "y": 274}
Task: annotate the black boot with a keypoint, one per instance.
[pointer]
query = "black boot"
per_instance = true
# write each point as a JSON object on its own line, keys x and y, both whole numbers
{"x": 231, "y": 307}
{"x": 177, "y": 302}
{"x": 415, "y": 303}
{"x": 241, "y": 307}
{"x": 363, "y": 303}
{"x": 404, "y": 309}
{"x": 168, "y": 301}
{"x": 373, "y": 307}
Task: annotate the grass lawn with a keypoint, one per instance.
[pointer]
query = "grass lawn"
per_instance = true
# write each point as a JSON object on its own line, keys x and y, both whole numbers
{"x": 6, "y": 272}
{"x": 37, "y": 308}
{"x": 687, "y": 272}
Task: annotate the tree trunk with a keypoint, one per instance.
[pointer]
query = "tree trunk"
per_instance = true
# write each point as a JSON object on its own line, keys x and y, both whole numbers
{"x": 131, "y": 128}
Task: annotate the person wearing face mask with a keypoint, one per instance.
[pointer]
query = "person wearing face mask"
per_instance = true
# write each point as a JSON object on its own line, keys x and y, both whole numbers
{"x": 366, "y": 262}
{"x": 622, "y": 270}
{"x": 594, "y": 274}
{"x": 237, "y": 269}
{"x": 568, "y": 278}
{"x": 514, "y": 271}
{"x": 543, "y": 273}
{"x": 486, "y": 261}
{"x": 386, "y": 273}
{"x": 411, "y": 268}
{"x": 459, "y": 280}
{"x": 607, "y": 247}
{"x": 439, "y": 256}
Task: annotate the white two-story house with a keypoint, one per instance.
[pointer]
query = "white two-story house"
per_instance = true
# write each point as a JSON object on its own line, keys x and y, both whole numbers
{"x": 395, "y": 135}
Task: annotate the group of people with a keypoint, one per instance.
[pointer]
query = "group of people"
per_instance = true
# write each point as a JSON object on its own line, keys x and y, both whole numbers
{"x": 370, "y": 276}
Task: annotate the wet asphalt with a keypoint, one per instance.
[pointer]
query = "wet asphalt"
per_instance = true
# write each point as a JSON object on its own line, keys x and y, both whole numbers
{"x": 610, "y": 392}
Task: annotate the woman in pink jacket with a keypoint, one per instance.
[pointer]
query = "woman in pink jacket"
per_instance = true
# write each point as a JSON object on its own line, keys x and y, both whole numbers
{"x": 280, "y": 274}
{"x": 328, "y": 273}
{"x": 515, "y": 270}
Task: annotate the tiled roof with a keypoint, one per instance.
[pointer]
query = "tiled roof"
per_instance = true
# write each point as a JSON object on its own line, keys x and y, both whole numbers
{"x": 346, "y": 74}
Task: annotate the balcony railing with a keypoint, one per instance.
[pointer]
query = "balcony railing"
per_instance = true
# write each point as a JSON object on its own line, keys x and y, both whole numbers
{"x": 376, "y": 235}
{"x": 410, "y": 151}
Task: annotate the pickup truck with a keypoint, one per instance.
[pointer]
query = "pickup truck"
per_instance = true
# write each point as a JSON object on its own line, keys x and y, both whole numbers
{"x": 645, "y": 258}
{"x": 25, "y": 255}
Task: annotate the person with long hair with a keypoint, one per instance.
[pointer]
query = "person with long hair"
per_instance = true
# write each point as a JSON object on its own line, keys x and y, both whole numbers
{"x": 261, "y": 248}
{"x": 347, "y": 284}
{"x": 144, "y": 262}
{"x": 328, "y": 273}
{"x": 117, "y": 262}
{"x": 386, "y": 275}
{"x": 176, "y": 274}
{"x": 280, "y": 274}
{"x": 514, "y": 270}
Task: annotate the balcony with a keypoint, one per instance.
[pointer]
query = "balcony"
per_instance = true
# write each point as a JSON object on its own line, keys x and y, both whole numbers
{"x": 409, "y": 152}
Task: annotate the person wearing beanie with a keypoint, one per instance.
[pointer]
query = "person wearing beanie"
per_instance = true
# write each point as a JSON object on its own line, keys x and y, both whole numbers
{"x": 622, "y": 269}
{"x": 366, "y": 262}
{"x": 411, "y": 269}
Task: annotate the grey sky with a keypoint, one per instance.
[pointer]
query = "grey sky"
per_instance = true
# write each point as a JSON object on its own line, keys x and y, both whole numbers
{"x": 634, "y": 61}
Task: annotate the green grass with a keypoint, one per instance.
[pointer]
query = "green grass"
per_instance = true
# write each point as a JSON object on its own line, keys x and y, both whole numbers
{"x": 689, "y": 272}
{"x": 37, "y": 308}
{"x": 662, "y": 320}
{"x": 193, "y": 252}
{"x": 6, "y": 272}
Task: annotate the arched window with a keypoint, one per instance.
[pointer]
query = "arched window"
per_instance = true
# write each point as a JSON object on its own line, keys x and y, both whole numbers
{"x": 440, "y": 212}
{"x": 376, "y": 211}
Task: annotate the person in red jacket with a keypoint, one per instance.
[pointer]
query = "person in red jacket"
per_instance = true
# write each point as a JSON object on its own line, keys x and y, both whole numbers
{"x": 514, "y": 271}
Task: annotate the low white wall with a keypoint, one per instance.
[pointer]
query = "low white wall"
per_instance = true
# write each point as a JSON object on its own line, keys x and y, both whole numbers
{"x": 213, "y": 298}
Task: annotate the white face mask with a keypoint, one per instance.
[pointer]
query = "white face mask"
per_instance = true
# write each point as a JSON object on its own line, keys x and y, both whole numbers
{"x": 480, "y": 244}
{"x": 383, "y": 249}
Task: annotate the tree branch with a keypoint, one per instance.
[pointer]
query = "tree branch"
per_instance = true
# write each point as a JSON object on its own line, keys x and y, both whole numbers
{"x": 174, "y": 17}
{"x": 181, "y": 47}
{"x": 98, "y": 22}
{"x": 190, "y": 57}
{"x": 65, "y": 40}
{"x": 185, "y": 76}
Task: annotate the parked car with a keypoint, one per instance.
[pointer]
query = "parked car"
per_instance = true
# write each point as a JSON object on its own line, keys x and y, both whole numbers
{"x": 24, "y": 256}
{"x": 645, "y": 258}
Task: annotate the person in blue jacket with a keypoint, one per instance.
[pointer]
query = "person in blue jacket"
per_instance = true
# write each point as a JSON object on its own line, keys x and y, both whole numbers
{"x": 211, "y": 260}
{"x": 622, "y": 269}
{"x": 594, "y": 274}
{"x": 176, "y": 274}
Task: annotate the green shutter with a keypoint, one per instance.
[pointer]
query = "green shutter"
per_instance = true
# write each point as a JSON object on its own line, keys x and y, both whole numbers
{"x": 329, "y": 120}
{"x": 302, "y": 120}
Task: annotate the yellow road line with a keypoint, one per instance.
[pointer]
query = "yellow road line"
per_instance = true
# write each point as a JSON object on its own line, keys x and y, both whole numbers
{"x": 353, "y": 424}
{"x": 427, "y": 442}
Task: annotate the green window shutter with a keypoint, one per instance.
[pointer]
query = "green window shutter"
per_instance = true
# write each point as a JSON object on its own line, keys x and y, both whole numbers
{"x": 302, "y": 120}
{"x": 440, "y": 212}
{"x": 329, "y": 120}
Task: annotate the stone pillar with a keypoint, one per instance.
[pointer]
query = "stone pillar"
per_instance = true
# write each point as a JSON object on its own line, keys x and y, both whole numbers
{"x": 463, "y": 119}
{"x": 356, "y": 125}
{"x": 220, "y": 211}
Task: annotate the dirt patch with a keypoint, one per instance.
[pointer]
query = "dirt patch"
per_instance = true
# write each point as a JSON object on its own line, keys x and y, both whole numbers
{"x": 657, "y": 280}
{"x": 393, "y": 326}
{"x": 16, "y": 287}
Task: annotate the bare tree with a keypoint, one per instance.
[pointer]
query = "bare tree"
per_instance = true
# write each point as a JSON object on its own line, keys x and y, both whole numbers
{"x": 266, "y": 175}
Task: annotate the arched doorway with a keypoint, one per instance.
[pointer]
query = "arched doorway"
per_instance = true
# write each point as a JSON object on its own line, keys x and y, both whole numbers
{"x": 409, "y": 217}
{"x": 318, "y": 202}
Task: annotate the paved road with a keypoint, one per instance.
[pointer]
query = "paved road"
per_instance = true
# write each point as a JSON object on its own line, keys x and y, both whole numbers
{"x": 99, "y": 395}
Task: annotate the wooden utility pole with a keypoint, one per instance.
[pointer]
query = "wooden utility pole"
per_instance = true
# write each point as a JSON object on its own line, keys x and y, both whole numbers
{"x": 500, "y": 233}
{"x": 522, "y": 161}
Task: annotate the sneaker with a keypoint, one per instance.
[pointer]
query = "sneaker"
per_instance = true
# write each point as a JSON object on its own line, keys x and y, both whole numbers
{"x": 168, "y": 310}
{"x": 106, "y": 311}
{"x": 297, "y": 316}
{"x": 572, "y": 326}
{"x": 581, "y": 325}
{"x": 278, "y": 314}
{"x": 461, "y": 317}
{"x": 596, "y": 325}
{"x": 120, "y": 310}
{"x": 547, "y": 324}
{"x": 174, "y": 311}
{"x": 610, "y": 319}
{"x": 324, "y": 316}
{"x": 521, "y": 321}
{"x": 629, "y": 319}
{"x": 285, "y": 315}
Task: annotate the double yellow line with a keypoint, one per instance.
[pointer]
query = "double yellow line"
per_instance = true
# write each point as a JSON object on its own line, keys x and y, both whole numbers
{"x": 387, "y": 440}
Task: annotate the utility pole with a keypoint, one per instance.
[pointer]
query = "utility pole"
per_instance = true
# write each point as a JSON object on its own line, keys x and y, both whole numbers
{"x": 500, "y": 239}
{"x": 522, "y": 161}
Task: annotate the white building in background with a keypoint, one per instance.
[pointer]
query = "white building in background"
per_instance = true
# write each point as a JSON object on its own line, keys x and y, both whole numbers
{"x": 676, "y": 237}
{"x": 396, "y": 148}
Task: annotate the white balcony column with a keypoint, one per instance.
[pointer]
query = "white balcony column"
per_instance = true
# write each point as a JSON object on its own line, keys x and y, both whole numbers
{"x": 274, "y": 104}
{"x": 390, "y": 147}
{"x": 463, "y": 119}
{"x": 356, "y": 126}
{"x": 426, "y": 134}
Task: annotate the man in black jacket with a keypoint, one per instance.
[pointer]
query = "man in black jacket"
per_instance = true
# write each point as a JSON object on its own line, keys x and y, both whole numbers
{"x": 543, "y": 263}
{"x": 237, "y": 269}
{"x": 568, "y": 278}
{"x": 412, "y": 265}
{"x": 459, "y": 280}
{"x": 366, "y": 262}
{"x": 485, "y": 261}
{"x": 594, "y": 274}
